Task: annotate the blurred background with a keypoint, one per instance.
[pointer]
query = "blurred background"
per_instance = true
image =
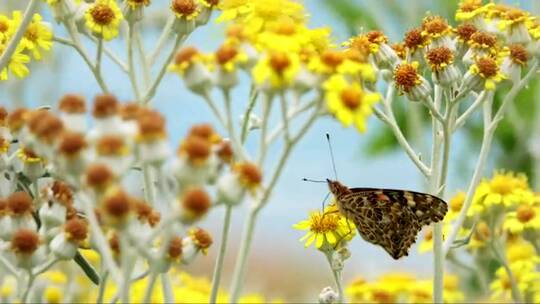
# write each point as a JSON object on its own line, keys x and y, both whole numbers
{"x": 279, "y": 265}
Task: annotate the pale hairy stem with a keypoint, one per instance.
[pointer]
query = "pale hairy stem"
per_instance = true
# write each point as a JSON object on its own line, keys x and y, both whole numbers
{"x": 102, "y": 287}
{"x": 266, "y": 109}
{"x": 166, "y": 287}
{"x": 388, "y": 118}
{"x": 149, "y": 189}
{"x": 249, "y": 229}
{"x": 501, "y": 257}
{"x": 490, "y": 124}
{"x": 99, "y": 55}
{"x": 21, "y": 30}
{"x": 108, "y": 52}
{"x": 218, "y": 268}
{"x": 337, "y": 278}
{"x": 229, "y": 124}
{"x": 163, "y": 38}
{"x": 292, "y": 113}
{"x": 153, "y": 87}
{"x": 284, "y": 118}
{"x": 74, "y": 35}
{"x": 253, "y": 94}
{"x": 142, "y": 56}
{"x": 29, "y": 284}
{"x": 150, "y": 287}
{"x": 100, "y": 240}
{"x": 463, "y": 117}
{"x": 131, "y": 63}
{"x": 7, "y": 264}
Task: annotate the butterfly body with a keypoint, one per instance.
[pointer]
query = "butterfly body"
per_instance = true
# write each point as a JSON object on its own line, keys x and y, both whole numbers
{"x": 386, "y": 217}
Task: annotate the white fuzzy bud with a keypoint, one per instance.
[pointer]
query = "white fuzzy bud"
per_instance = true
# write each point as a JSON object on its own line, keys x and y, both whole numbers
{"x": 328, "y": 296}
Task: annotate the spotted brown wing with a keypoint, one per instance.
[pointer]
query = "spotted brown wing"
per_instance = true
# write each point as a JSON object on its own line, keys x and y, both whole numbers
{"x": 391, "y": 218}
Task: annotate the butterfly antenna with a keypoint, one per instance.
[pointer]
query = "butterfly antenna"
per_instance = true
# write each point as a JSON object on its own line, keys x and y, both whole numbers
{"x": 313, "y": 180}
{"x": 323, "y": 205}
{"x": 331, "y": 155}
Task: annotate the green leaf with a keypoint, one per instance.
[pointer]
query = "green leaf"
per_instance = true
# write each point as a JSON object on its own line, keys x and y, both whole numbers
{"x": 352, "y": 15}
{"x": 88, "y": 269}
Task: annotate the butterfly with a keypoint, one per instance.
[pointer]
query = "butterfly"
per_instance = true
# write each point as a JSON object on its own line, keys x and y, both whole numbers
{"x": 386, "y": 217}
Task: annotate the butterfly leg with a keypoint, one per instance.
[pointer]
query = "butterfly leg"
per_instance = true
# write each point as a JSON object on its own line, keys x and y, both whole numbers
{"x": 345, "y": 235}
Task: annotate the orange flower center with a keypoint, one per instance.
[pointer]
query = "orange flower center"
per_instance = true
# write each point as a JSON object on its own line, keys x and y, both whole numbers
{"x": 435, "y": 25}
{"x": 519, "y": 54}
{"x": 102, "y": 14}
{"x": 489, "y": 68}
{"x": 184, "y": 7}
{"x": 465, "y": 31}
{"x": 525, "y": 213}
{"x": 484, "y": 39}
{"x": 351, "y": 97}
{"x": 406, "y": 77}
{"x": 279, "y": 62}
{"x": 439, "y": 56}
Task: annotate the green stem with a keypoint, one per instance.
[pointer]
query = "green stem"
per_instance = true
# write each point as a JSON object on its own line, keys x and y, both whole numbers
{"x": 221, "y": 254}
{"x": 21, "y": 30}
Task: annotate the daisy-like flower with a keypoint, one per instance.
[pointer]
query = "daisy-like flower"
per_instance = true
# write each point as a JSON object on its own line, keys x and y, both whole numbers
{"x": 415, "y": 44}
{"x": 481, "y": 44}
{"x": 276, "y": 71}
{"x": 103, "y": 18}
{"x": 515, "y": 24}
{"x": 325, "y": 229}
{"x": 441, "y": 61}
{"x": 485, "y": 73}
{"x": 152, "y": 137}
{"x": 134, "y": 4}
{"x": 328, "y": 62}
{"x": 198, "y": 240}
{"x": 504, "y": 189}
{"x": 516, "y": 57}
{"x": 16, "y": 64}
{"x": 383, "y": 54}
{"x": 524, "y": 274}
{"x": 438, "y": 31}
{"x": 265, "y": 11}
{"x": 463, "y": 34}
{"x": 193, "y": 66}
{"x": 228, "y": 57}
{"x": 33, "y": 166}
{"x": 472, "y": 11}
{"x": 185, "y": 9}
{"x": 233, "y": 9}
{"x": 409, "y": 82}
{"x": 348, "y": 102}
{"x": 7, "y": 28}
{"x": 525, "y": 218}
{"x": 38, "y": 36}
{"x": 195, "y": 203}
{"x": 456, "y": 203}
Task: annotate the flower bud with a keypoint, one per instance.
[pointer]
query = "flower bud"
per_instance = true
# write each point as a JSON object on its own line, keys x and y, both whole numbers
{"x": 328, "y": 296}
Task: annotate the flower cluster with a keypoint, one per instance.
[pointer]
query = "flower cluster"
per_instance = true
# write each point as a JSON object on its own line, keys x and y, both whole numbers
{"x": 502, "y": 227}
{"x": 64, "y": 188}
{"x": 270, "y": 41}
{"x": 35, "y": 40}
{"x": 402, "y": 288}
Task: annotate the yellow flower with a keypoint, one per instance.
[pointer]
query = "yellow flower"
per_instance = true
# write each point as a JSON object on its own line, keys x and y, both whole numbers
{"x": 520, "y": 250}
{"x": 186, "y": 9}
{"x": 326, "y": 228}
{"x": 504, "y": 189}
{"x": 349, "y": 102}
{"x": 525, "y": 275}
{"x": 489, "y": 69}
{"x": 133, "y": 4}
{"x": 456, "y": 203}
{"x": 7, "y": 28}
{"x": 38, "y": 36}
{"x": 357, "y": 290}
{"x": 233, "y": 9}
{"x": 266, "y": 11}
{"x": 526, "y": 217}
{"x": 277, "y": 69}
{"x": 53, "y": 294}
{"x": 468, "y": 9}
{"x": 103, "y": 18}
{"x": 426, "y": 245}
{"x": 16, "y": 64}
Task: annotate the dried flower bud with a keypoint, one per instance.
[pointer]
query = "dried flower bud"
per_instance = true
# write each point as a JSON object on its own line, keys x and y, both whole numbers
{"x": 62, "y": 193}
{"x": 17, "y": 118}
{"x": 195, "y": 203}
{"x": 25, "y": 242}
{"x": 76, "y": 230}
{"x": 116, "y": 204}
{"x": 20, "y": 203}
{"x": 99, "y": 176}
{"x": 204, "y": 131}
{"x": 71, "y": 144}
{"x": 175, "y": 248}
{"x": 201, "y": 238}
{"x": 225, "y": 151}
{"x": 105, "y": 105}
{"x": 249, "y": 175}
{"x": 72, "y": 103}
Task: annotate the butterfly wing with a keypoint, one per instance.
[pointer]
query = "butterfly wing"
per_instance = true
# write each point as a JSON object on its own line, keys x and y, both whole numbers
{"x": 391, "y": 218}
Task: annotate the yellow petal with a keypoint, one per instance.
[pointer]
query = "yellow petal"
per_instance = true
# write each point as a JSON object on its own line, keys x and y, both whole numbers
{"x": 320, "y": 240}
